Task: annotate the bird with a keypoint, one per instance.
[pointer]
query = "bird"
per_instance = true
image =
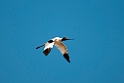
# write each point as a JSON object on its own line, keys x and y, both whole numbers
{"x": 57, "y": 42}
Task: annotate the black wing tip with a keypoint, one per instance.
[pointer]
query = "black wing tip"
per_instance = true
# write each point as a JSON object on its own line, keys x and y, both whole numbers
{"x": 66, "y": 57}
{"x": 47, "y": 51}
{"x": 69, "y": 61}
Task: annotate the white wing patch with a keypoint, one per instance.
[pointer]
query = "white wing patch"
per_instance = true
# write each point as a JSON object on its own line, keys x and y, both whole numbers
{"x": 48, "y": 45}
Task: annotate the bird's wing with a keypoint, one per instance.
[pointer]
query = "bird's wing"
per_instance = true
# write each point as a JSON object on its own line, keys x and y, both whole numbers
{"x": 48, "y": 47}
{"x": 63, "y": 50}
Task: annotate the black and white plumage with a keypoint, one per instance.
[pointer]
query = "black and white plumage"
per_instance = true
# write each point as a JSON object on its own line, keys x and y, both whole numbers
{"x": 57, "y": 41}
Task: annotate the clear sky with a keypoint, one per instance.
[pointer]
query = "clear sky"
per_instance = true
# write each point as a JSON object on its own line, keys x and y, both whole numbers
{"x": 96, "y": 54}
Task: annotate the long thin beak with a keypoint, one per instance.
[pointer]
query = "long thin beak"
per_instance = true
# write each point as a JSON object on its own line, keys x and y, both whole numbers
{"x": 64, "y": 39}
{"x": 70, "y": 39}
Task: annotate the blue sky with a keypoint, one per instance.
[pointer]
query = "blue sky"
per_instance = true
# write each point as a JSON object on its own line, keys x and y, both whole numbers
{"x": 96, "y": 54}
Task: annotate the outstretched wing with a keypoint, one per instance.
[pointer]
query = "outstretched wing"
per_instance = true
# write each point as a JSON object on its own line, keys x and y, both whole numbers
{"x": 48, "y": 47}
{"x": 63, "y": 50}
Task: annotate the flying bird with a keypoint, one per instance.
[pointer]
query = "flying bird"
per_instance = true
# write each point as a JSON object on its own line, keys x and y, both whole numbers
{"x": 57, "y": 41}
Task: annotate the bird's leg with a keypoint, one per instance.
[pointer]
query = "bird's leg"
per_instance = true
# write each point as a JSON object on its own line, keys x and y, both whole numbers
{"x": 39, "y": 46}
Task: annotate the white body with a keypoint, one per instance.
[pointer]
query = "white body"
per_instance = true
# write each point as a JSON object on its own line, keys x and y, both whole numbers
{"x": 57, "y": 41}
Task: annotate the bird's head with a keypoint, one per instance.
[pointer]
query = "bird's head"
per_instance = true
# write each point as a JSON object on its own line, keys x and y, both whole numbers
{"x": 65, "y": 38}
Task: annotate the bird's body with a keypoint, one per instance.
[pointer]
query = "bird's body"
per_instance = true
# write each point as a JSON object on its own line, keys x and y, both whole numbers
{"x": 57, "y": 41}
